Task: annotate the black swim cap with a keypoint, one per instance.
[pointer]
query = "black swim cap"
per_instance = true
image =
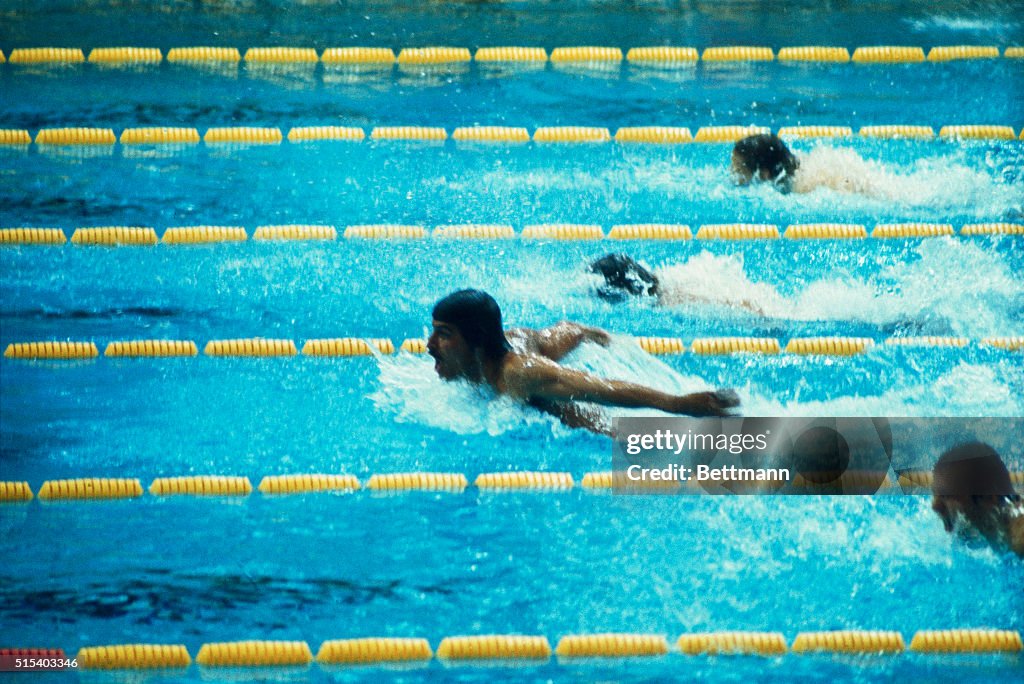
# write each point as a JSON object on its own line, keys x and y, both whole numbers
{"x": 972, "y": 469}
{"x": 478, "y": 318}
{"x": 623, "y": 276}
{"x": 767, "y": 154}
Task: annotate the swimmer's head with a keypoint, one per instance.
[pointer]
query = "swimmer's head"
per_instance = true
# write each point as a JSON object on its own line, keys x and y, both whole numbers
{"x": 467, "y": 331}
{"x": 970, "y": 481}
{"x": 623, "y": 277}
{"x": 765, "y": 158}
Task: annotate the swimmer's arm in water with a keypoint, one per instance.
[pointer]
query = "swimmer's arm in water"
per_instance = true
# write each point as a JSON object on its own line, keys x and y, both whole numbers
{"x": 558, "y": 340}
{"x": 679, "y": 299}
{"x": 542, "y": 379}
{"x": 574, "y": 415}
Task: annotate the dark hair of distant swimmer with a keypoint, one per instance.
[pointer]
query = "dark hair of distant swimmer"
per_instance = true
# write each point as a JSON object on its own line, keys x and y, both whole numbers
{"x": 764, "y": 158}
{"x": 971, "y": 486}
{"x": 623, "y": 277}
{"x": 468, "y": 343}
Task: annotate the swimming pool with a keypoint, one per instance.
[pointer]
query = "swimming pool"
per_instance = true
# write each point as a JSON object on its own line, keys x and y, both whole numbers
{"x": 320, "y": 566}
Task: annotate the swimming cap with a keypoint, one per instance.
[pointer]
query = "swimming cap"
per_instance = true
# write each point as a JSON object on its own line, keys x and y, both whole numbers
{"x": 478, "y": 318}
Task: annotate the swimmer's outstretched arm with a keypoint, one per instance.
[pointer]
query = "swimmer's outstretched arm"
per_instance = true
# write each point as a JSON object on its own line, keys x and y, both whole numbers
{"x": 560, "y": 339}
{"x": 553, "y": 382}
{"x": 679, "y": 299}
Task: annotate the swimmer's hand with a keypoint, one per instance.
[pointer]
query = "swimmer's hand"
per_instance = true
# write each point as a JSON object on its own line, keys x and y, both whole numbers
{"x": 704, "y": 404}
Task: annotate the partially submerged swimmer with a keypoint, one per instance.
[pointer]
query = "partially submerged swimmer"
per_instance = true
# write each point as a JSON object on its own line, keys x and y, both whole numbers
{"x": 624, "y": 278}
{"x": 766, "y": 158}
{"x": 972, "y": 493}
{"x": 469, "y": 343}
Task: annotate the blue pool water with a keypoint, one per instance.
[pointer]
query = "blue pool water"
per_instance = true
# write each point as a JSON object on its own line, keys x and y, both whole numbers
{"x": 318, "y": 567}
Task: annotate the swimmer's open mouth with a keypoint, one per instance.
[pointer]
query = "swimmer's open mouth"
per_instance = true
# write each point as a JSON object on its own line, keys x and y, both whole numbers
{"x": 441, "y": 369}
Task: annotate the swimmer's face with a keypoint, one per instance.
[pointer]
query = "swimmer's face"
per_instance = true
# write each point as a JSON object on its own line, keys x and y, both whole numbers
{"x": 740, "y": 171}
{"x": 948, "y": 509}
{"x": 452, "y": 355}
{"x": 962, "y": 515}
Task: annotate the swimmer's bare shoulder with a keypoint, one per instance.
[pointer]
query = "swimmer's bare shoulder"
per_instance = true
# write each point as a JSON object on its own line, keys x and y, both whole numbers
{"x": 522, "y": 339}
{"x": 518, "y": 369}
{"x": 556, "y": 341}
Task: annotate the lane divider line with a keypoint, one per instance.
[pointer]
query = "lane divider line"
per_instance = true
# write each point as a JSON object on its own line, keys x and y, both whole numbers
{"x": 291, "y": 484}
{"x": 125, "y": 55}
{"x": 966, "y": 641}
{"x": 358, "y": 56}
{"x": 202, "y": 235}
{"x": 611, "y": 645}
{"x": 373, "y": 650}
{"x": 340, "y": 347}
{"x": 447, "y": 55}
{"x": 242, "y": 136}
{"x": 888, "y": 54}
{"x": 386, "y": 483}
{"x": 90, "y": 488}
{"x": 281, "y": 55}
{"x": 737, "y": 54}
{"x": 254, "y": 653}
{"x": 201, "y": 485}
{"x": 134, "y": 657}
{"x": 733, "y": 643}
{"x": 849, "y": 641}
{"x": 515, "y": 647}
{"x": 494, "y": 647}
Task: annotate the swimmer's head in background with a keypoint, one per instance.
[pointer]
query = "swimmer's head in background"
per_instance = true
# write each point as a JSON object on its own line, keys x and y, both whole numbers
{"x": 971, "y": 470}
{"x": 970, "y": 483}
{"x": 623, "y": 277}
{"x": 764, "y": 157}
{"x": 478, "y": 318}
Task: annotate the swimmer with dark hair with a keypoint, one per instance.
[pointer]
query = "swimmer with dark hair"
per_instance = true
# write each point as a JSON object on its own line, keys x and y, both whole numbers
{"x": 972, "y": 493}
{"x": 625, "y": 279}
{"x": 469, "y": 343}
{"x": 765, "y": 158}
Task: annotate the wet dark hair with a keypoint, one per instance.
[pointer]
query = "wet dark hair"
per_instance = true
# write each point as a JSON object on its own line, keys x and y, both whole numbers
{"x": 623, "y": 277}
{"x": 478, "y": 318}
{"x": 972, "y": 469}
{"x": 766, "y": 156}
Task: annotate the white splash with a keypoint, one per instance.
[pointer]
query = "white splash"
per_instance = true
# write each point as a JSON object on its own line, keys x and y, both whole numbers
{"x": 947, "y": 179}
{"x": 830, "y": 176}
{"x": 968, "y": 25}
{"x": 966, "y": 390}
{"x": 411, "y": 391}
{"x": 916, "y": 292}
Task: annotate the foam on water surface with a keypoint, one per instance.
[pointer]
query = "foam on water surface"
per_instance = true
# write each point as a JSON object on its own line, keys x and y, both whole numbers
{"x": 411, "y": 391}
